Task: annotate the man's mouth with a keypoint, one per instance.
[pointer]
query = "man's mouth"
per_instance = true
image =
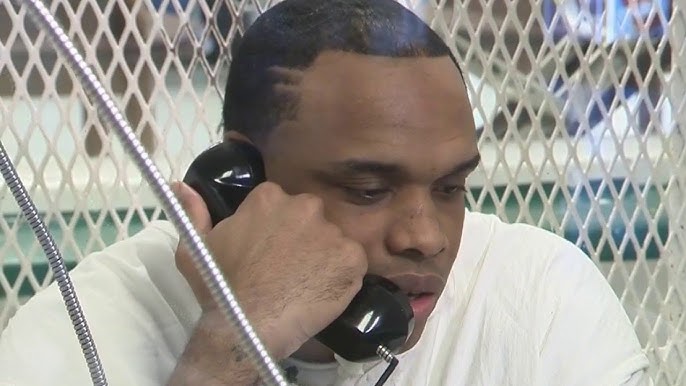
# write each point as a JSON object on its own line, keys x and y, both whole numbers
{"x": 422, "y": 291}
{"x": 412, "y": 295}
{"x": 422, "y": 304}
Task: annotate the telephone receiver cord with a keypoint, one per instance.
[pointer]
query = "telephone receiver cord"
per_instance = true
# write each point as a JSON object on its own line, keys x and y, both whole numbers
{"x": 59, "y": 269}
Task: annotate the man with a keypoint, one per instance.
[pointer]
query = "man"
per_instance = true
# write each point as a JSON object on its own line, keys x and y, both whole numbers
{"x": 362, "y": 117}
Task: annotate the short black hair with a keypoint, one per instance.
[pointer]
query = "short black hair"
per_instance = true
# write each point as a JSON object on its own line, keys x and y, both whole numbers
{"x": 293, "y": 33}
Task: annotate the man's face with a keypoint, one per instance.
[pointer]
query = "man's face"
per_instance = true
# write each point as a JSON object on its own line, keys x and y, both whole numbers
{"x": 387, "y": 143}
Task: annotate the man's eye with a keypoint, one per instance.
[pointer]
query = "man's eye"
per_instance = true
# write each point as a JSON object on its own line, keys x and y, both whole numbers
{"x": 452, "y": 189}
{"x": 366, "y": 196}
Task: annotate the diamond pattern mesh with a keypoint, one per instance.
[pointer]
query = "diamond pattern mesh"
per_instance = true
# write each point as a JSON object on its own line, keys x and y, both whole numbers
{"x": 577, "y": 105}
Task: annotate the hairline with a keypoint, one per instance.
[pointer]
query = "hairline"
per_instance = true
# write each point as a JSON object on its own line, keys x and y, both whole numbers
{"x": 288, "y": 113}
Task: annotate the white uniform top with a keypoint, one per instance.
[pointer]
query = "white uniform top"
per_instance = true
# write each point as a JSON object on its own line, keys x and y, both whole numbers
{"x": 522, "y": 306}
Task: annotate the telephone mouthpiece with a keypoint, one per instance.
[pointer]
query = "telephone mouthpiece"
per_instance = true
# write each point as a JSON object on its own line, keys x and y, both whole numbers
{"x": 379, "y": 315}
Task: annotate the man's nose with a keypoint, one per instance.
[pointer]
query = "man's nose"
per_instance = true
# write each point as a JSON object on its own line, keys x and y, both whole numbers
{"x": 416, "y": 231}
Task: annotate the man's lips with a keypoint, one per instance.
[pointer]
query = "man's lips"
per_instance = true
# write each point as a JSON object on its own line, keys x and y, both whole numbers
{"x": 422, "y": 290}
{"x": 415, "y": 285}
{"x": 422, "y": 305}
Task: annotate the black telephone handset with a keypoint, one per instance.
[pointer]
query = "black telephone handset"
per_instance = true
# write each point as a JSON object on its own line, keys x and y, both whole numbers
{"x": 379, "y": 319}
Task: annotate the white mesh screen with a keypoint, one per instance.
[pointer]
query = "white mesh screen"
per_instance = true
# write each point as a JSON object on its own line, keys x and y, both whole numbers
{"x": 577, "y": 104}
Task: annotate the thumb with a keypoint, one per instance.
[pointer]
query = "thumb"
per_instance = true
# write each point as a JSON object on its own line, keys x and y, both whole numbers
{"x": 195, "y": 207}
{"x": 197, "y": 211}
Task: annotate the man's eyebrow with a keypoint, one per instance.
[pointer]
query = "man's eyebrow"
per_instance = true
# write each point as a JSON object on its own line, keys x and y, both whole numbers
{"x": 466, "y": 166}
{"x": 362, "y": 166}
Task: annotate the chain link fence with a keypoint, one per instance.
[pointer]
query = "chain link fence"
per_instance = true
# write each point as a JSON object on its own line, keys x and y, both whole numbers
{"x": 579, "y": 107}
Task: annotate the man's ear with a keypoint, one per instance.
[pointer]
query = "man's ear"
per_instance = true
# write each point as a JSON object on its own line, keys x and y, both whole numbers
{"x": 236, "y": 136}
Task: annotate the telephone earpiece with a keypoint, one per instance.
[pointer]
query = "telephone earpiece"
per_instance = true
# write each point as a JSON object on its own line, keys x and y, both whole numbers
{"x": 223, "y": 175}
{"x": 379, "y": 319}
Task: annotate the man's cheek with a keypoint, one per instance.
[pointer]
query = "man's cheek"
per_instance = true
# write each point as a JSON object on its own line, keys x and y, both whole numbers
{"x": 363, "y": 228}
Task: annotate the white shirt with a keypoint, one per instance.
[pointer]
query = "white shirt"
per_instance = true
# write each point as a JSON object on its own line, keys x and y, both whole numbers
{"x": 522, "y": 306}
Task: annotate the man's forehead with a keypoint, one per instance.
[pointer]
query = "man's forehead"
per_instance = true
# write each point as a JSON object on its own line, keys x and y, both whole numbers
{"x": 360, "y": 68}
{"x": 457, "y": 165}
{"x": 362, "y": 93}
{"x": 382, "y": 84}
{"x": 346, "y": 68}
{"x": 352, "y": 103}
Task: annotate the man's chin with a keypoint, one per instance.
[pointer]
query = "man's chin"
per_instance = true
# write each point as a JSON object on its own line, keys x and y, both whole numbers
{"x": 414, "y": 337}
{"x": 422, "y": 309}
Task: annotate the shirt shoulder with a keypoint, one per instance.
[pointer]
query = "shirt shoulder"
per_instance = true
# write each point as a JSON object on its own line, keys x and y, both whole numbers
{"x": 550, "y": 296}
{"x": 528, "y": 269}
{"x": 137, "y": 305}
{"x": 495, "y": 250}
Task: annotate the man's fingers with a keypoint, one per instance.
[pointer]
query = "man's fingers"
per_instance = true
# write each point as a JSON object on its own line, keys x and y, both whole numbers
{"x": 194, "y": 206}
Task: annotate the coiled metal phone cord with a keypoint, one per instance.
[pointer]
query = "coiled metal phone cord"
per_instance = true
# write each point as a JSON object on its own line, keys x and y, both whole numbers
{"x": 59, "y": 269}
{"x": 269, "y": 372}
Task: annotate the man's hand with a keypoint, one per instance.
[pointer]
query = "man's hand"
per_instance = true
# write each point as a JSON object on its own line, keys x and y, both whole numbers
{"x": 292, "y": 271}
